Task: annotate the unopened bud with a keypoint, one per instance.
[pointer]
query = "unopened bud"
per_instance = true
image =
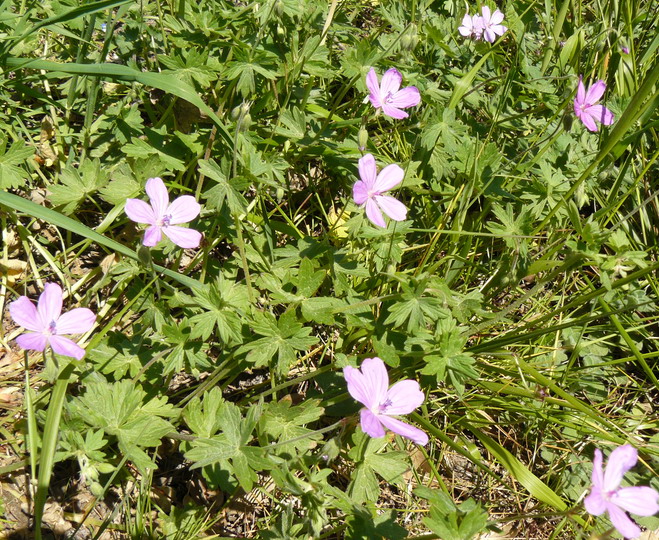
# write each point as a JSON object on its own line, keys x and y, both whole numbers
{"x": 279, "y": 8}
{"x": 362, "y": 138}
{"x": 409, "y": 40}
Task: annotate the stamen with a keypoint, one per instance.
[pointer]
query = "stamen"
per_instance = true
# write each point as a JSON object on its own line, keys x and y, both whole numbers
{"x": 384, "y": 406}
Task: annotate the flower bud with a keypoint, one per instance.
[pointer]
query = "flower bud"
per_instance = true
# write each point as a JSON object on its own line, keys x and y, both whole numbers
{"x": 279, "y": 8}
{"x": 409, "y": 40}
{"x": 362, "y": 138}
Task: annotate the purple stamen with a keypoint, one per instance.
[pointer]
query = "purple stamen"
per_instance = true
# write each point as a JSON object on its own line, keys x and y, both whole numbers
{"x": 384, "y": 406}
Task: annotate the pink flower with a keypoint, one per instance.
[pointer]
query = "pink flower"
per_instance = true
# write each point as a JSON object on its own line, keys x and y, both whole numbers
{"x": 47, "y": 324}
{"x": 491, "y": 23}
{"x": 471, "y": 26}
{"x": 370, "y": 386}
{"x": 388, "y": 96}
{"x": 369, "y": 191}
{"x": 607, "y": 495}
{"x": 163, "y": 217}
{"x": 586, "y": 108}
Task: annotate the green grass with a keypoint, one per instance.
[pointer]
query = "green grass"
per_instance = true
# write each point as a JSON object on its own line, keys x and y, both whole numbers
{"x": 521, "y": 291}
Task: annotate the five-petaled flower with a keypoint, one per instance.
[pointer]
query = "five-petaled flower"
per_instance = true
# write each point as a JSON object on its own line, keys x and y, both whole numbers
{"x": 586, "y": 108}
{"x": 368, "y": 191}
{"x": 370, "y": 386}
{"x": 47, "y": 323}
{"x": 491, "y": 23}
{"x": 163, "y": 217}
{"x": 388, "y": 95}
{"x": 471, "y": 26}
{"x": 607, "y": 495}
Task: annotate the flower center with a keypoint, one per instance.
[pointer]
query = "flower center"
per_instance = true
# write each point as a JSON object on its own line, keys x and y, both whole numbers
{"x": 164, "y": 221}
{"x": 382, "y": 408}
{"x": 389, "y": 97}
{"x": 52, "y": 328}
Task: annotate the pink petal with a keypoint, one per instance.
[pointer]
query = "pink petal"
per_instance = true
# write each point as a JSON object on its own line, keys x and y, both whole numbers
{"x": 489, "y": 35}
{"x": 373, "y": 213}
{"x": 498, "y": 29}
{"x": 479, "y": 24}
{"x": 595, "y": 92}
{"x": 49, "y": 306}
{"x": 600, "y": 114}
{"x": 393, "y": 112}
{"x": 581, "y": 92}
{"x": 464, "y": 31}
{"x": 182, "y": 237}
{"x": 367, "y": 170}
{"x": 139, "y": 211}
{"x": 32, "y": 341}
{"x": 357, "y": 386}
{"x": 390, "y": 82}
{"x": 76, "y": 321}
{"x": 376, "y": 377}
{"x": 66, "y": 347}
{"x": 395, "y": 209}
{"x": 641, "y": 500}
{"x": 183, "y": 209}
{"x": 158, "y": 196}
{"x": 405, "y": 396}
{"x": 370, "y": 424}
{"x": 497, "y": 17}
{"x": 588, "y": 121}
{"x": 620, "y": 461}
{"x": 152, "y": 236}
{"x": 622, "y": 522}
{"x": 595, "y": 503}
{"x": 597, "y": 475}
{"x": 374, "y": 88}
{"x": 487, "y": 17}
{"x": 404, "y": 429}
{"x": 467, "y": 26}
{"x": 24, "y": 313}
{"x": 359, "y": 192}
{"x": 407, "y": 97}
{"x": 389, "y": 177}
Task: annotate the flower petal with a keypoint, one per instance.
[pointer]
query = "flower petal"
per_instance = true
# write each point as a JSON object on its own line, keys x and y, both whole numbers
{"x": 395, "y": 209}
{"x": 183, "y": 209}
{"x": 407, "y": 97}
{"x": 152, "y": 236}
{"x": 595, "y": 92}
{"x": 393, "y": 112}
{"x": 66, "y": 347}
{"x": 594, "y": 502}
{"x": 405, "y": 396}
{"x": 359, "y": 192}
{"x": 641, "y": 500}
{"x": 487, "y": 17}
{"x": 357, "y": 386}
{"x": 496, "y": 17}
{"x": 601, "y": 114}
{"x": 158, "y": 196}
{"x": 587, "y": 121}
{"x": 620, "y": 461}
{"x": 622, "y": 522}
{"x": 581, "y": 92}
{"x": 377, "y": 379}
{"x": 32, "y": 341}
{"x": 373, "y": 213}
{"x": 489, "y": 35}
{"x": 374, "y": 88}
{"x": 597, "y": 475}
{"x": 182, "y": 237}
{"x": 389, "y": 177}
{"x": 24, "y": 313}
{"x": 49, "y": 306}
{"x": 498, "y": 29}
{"x": 367, "y": 170}
{"x": 465, "y": 31}
{"x": 404, "y": 429}
{"x": 76, "y": 321}
{"x": 139, "y": 211}
{"x": 391, "y": 81}
{"x": 370, "y": 424}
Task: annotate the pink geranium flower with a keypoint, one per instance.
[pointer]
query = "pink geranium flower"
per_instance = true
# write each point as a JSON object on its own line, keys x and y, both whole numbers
{"x": 491, "y": 23}
{"x": 607, "y": 495}
{"x": 586, "y": 108}
{"x": 388, "y": 96}
{"x": 368, "y": 191}
{"x": 163, "y": 217}
{"x": 370, "y": 386}
{"x": 47, "y": 323}
{"x": 471, "y": 26}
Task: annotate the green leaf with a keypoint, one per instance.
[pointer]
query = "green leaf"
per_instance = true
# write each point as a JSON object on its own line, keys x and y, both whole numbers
{"x": 225, "y": 191}
{"x": 11, "y": 174}
{"x": 76, "y": 184}
{"x": 283, "y": 422}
